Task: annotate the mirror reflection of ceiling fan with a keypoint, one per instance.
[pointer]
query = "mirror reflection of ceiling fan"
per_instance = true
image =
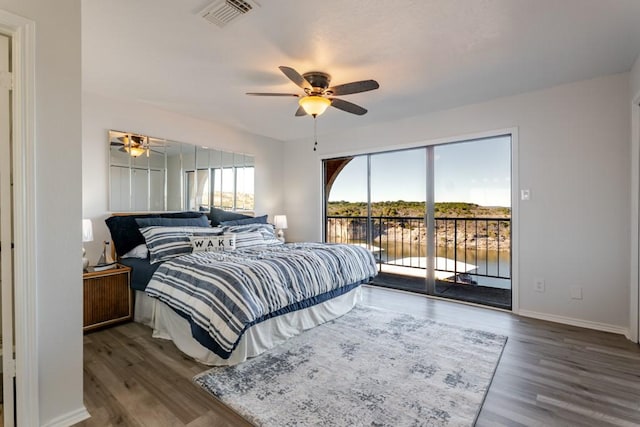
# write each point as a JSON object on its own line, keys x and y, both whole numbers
{"x": 135, "y": 145}
{"x": 318, "y": 95}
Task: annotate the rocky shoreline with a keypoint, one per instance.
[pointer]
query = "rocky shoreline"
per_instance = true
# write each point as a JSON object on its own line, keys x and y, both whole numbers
{"x": 489, "y": 234}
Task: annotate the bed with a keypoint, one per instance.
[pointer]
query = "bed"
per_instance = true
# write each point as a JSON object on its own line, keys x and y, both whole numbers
{"x": 251, "y": 293}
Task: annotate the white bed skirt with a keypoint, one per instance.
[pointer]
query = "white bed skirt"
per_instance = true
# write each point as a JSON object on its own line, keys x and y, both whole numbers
{"x": 167, "y": 324}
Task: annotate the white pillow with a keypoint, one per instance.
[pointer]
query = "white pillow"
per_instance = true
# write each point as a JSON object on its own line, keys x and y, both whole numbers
{"x": 139, "y": 251}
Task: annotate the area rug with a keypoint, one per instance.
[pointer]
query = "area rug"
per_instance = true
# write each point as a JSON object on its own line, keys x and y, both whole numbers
{"x": 370, "y": 367}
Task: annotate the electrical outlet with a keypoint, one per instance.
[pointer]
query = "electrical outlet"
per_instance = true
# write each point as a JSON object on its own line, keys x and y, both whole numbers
{"x": 576, "y": 292}
{"x": 538, "y": 285}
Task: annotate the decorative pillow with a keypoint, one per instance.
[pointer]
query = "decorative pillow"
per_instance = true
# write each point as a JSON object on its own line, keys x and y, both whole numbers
{"x": 273, "y": 241}
{"x": 218, "y": 215}
{"x": 201, "y": 221}
{"x": 139, "y": 251}
{"x": 169, "y": 242}
{"x": 257, "y": 220}
{"x": 226, "y": 242}
{"x": 124, "y": 229}
{"x": 267, "y": 230}
{"x": 248, "y": 239}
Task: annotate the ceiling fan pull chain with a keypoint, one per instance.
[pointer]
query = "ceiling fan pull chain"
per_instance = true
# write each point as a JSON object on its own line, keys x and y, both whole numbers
{"x": 315, "y": 132}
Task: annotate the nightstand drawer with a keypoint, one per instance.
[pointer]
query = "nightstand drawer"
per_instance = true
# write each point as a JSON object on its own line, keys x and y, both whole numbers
{"x": 107, "y": 298}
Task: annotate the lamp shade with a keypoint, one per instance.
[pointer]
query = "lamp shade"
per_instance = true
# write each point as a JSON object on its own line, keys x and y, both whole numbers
{"x": 87, "y": 230}
{"x": 314, "y": 105}
{"x": 280, "y": 221}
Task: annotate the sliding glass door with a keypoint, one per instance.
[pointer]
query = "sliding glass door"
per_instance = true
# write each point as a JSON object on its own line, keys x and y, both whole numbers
{"x": 398, "y": 182}
{"x": 437, "y": 218}
{"x": 472, "y": 221}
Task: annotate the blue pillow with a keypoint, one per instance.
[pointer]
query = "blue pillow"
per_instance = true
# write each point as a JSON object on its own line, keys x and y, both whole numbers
{"x": 218, "y": 215}
{"x": 202, "y": 221}
{"x": 251, "y": 220}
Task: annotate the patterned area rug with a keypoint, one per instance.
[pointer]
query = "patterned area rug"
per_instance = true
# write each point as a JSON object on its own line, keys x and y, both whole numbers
{"x": 370, "y": 367}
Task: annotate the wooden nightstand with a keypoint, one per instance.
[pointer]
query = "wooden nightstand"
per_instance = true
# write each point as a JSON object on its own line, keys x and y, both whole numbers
{"x": 107, "y": 297}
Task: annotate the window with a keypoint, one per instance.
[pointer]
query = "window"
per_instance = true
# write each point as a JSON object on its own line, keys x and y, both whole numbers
{"x": 229, "y": 188}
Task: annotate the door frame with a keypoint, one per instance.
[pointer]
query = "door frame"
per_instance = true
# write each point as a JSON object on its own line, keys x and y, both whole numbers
{"x": 634, "y": 285}
{"x": 6, "y": 237}
{"x": 23, "y": 41}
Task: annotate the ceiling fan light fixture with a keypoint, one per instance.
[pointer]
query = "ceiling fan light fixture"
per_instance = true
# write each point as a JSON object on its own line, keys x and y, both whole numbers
{"x": 135, "y": 146}
{"x": 314, "y": 105}
{"x": 135, "y": 151}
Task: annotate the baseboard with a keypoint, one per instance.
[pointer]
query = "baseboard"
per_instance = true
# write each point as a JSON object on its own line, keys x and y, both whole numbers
{"x": 526, "y": 313}
{"x": 576, "y": 322}
{"x": 630, "y": 338}
{"x": 69, "y": 419}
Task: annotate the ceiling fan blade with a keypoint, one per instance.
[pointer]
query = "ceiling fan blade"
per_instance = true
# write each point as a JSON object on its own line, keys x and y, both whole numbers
{"x": 272, "y": 94}
{"x": 354, "y": 87}
{"x": 300, "y": 112}
{"x": 347, "y": 106}
{"x": 295, "y": 77}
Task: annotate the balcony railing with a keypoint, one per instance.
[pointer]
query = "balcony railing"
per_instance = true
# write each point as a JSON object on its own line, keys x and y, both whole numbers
{"x": 466, "y": 250}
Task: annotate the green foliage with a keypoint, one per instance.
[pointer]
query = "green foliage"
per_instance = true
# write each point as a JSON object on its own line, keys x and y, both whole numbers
{"x": 401, "y": 208}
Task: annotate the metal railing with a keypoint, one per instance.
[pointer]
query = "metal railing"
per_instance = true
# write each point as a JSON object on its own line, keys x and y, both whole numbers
{"x": 468, "y": 248}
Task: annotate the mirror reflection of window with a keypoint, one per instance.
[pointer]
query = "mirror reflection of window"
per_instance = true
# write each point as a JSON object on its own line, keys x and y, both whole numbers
{"x": 217, "y": 187}
{"x": 245, "y": 191}
{"x": 226, "y": 194}
{"x": 238, "y": 162}
{"x": 228, "y": 182}
{"x": 198, "y": 190}
{"x": 249, "y": 183}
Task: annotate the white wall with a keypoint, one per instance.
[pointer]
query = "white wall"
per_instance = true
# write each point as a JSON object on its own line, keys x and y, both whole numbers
{"x": 99, "y": 114}
{"x": 635, "y": 78}
{"x": 58, "y": 199}
{"x": 574, "y": 156}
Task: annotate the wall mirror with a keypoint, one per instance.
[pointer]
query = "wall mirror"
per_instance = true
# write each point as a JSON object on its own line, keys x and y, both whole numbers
{"x": 155, "y": 174}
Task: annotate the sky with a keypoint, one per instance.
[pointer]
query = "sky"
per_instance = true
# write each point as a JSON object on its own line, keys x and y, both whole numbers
{"x": 476, "y": 171}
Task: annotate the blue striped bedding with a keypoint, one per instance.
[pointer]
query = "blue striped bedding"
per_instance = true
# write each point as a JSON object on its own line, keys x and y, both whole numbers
{"x": 221, "y": 294}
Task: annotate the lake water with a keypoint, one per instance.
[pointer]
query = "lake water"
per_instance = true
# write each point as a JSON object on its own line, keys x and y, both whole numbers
{"x": 488, "y": 263}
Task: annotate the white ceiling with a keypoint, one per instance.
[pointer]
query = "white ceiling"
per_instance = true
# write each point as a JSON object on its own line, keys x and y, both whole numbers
{"x": 427, "y": 55}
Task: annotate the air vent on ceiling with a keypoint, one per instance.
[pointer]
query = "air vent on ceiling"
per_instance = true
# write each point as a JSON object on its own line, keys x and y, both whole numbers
{"x": 221, "y": 12}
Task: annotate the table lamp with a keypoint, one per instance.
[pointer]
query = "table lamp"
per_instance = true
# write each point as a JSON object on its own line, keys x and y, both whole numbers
{"x": 280, "y": 223}
{"x": 87, "y": 236}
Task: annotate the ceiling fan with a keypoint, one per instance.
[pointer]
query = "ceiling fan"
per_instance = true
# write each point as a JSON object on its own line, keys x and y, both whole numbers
{"x": 135, "y": 145}
{"x": 319, "y": 95}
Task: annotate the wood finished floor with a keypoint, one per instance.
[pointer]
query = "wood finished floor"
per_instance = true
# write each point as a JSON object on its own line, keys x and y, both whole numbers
{"x": 549, "y": 374}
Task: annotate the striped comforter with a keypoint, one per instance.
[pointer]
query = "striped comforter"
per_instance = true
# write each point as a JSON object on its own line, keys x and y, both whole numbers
{"x": 223, "y": 293}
